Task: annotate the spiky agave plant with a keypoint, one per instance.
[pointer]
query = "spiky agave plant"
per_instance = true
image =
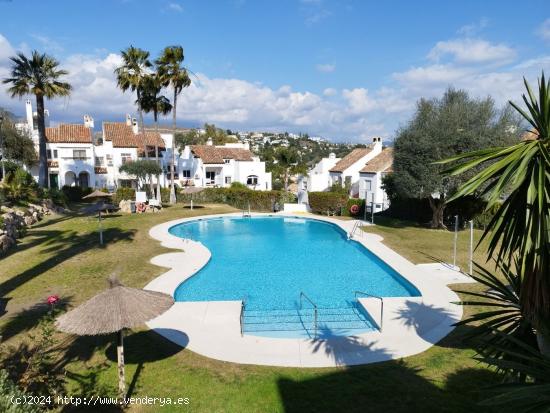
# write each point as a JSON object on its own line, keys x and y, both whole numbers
{"x": 532, "y": 395}
{"x": 519, "y": 177}
{"x": 500, "y": 318}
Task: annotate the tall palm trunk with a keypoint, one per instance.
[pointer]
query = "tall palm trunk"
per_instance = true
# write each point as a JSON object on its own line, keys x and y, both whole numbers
{"x": 155, "y": 114}
{"x": 42, "y": 155}
{"x": 173, "y": 159}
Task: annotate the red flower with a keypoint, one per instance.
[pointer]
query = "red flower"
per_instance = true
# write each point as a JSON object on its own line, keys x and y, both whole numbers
{"x": 52, "y": 299}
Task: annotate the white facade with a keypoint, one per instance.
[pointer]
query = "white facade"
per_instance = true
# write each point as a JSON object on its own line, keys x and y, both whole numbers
{"x": 193, "y": 171}
{"x": 349, "y": 174}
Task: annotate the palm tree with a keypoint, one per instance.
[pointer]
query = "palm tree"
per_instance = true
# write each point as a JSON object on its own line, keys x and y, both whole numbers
{"x": 152, "y": 101}
{"x": 38, "y": 75}
{"x": 520, "y": 176}
{"x": 170, "y": 67}
{"x": 132, "y": 74}
{"x": 288, "y": 162}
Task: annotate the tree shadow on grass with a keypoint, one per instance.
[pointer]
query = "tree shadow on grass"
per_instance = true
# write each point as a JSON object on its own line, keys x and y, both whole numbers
{"x": 28, "y": 318}
{"x": 64, "y": 246}
{"x": 392, "y": 386}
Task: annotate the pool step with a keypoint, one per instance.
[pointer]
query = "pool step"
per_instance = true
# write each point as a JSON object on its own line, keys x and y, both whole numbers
{"x": 330, "y": 321}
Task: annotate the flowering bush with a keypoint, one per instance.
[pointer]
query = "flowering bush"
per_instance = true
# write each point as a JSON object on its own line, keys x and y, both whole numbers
{"x": 52, "y": 300}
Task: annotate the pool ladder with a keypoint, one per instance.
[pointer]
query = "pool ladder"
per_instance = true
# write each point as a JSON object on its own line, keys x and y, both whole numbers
{"x": 315, "y": 311}
{"x": 381, "y": 305}
{"x": 354, "y": 229}
{"x": 247, "y": 214}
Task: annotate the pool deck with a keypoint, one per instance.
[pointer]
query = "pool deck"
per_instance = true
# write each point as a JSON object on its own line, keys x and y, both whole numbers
{"x": 411, "y": 324}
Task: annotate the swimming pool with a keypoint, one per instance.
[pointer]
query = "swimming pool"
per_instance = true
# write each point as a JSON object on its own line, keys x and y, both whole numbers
{"x": 270, "y": 261}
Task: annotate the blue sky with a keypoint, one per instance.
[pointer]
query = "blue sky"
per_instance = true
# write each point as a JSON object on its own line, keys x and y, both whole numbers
{"x": 344, "y": 69}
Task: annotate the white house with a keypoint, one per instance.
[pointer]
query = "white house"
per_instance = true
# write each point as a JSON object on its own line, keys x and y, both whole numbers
{"x": 220, "y": 166}
{"x": 370, "y": 179}
{"x": 346, "y": 171}
{"x": 361, "y": 170}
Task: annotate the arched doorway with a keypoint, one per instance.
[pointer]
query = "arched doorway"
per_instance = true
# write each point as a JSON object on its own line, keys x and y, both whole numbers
{"x": 83, "y": 179}
{"x": 70, "y": 178}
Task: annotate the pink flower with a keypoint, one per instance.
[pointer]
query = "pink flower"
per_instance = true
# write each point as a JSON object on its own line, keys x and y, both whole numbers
{"x": 52, "y": 299}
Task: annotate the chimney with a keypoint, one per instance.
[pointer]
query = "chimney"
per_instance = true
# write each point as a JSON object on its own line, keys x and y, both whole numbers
{"x": 46, "y": 118}
{"x": 377, "y": 141}
{"x": 88, "y": 121}
{"x": 30, "y": 120}
{"x": 332, "y": 155}
{"x": 135, "y": 128}
{"x": 128, "y": 120}
{"x": 209, "y": 142}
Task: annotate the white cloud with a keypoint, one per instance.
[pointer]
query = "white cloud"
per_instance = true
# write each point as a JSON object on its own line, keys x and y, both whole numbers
{"x": 473, "y": 28}
{"x": 544, "y": 30}
{"x": 326, "y": 67}
{"x": 354, "y": 113}
{"x": 47, "y": 44}
{"x": 175, "y": 7}
{"x": 472, "y": 51}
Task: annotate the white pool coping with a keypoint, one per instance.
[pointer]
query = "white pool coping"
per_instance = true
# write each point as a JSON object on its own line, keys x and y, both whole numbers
{"x": 411, "y": 324}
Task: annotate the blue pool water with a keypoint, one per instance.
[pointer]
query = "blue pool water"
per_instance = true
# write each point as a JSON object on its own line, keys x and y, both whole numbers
{"x": 268, "y": 261}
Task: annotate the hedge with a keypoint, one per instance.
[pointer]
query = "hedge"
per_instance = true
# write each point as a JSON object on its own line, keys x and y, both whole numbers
{"x": 240, "y": 198}
{"x": 124, "y": 194}
{"x": 327, "y": 203}
{"x": 75, "y": 193}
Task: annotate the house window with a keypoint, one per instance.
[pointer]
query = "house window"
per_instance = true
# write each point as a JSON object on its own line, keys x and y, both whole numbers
{"x": 51, "y": 152}
{"x": 252, "y": 180}
{"x": 186, "y": 173}
{"x": 99, "y": 161}
{"x": 368, "y": 185}
{"x": 226, "y": 160}
{"x": 126, "y": 157}
{"x": 79, "y": 154}
{"x": 228, "y": 180}
{"x": 109, "y": 160}
{"x": 210, "y": 177}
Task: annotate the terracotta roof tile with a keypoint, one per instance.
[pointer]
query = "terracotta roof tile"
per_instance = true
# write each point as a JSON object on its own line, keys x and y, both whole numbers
{"x": 216, "y": 154}
{"x": 380, "y": 163}
{"x": 122, "y": 136}
{"x": 69, "y": 133}
{"x": 350, "y": 159}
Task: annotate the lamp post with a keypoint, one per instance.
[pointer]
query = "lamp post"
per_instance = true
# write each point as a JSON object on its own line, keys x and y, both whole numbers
{"x": 2, "y": 149}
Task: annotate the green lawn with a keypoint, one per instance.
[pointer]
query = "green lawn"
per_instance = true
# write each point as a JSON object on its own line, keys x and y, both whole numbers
{"x": 61, "y": 256}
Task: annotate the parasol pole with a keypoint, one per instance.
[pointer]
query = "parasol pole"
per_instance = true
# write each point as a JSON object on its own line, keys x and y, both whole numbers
{"x": 100, "y": 230}
{"x": 120, "y": 358}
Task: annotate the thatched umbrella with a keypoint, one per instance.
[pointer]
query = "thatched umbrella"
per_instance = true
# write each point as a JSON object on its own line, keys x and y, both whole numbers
{"x": 190, "y": 190}
{"x": 100, "y": 206}
{"x": 112, "y": 311}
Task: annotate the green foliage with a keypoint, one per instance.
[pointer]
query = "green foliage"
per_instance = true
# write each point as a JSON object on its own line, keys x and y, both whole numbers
{"x": 339, "y": 189}
{"x": 501, "y": 317}
{"x": 238, "y": 185}
{"x": 16, "y": 144}
{"x": 286, "y": 163}
{"x": 354, "y": 201}
{"x": 193, "y": 137}
{"x": 327, "y": 203}
{"x": 20, "y": 186}
{"x": 57, "y": 196}
{"x": 142, "y": 169}
{"x": 241, "y": 198}
{"x": 518, "y": 179}
{"x": 124, "y": 194}
{"x": 8, "y": 392}
{"x": 75, "y": 193}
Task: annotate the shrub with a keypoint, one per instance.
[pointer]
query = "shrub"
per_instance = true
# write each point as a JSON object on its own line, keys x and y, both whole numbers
{"x": 75, "y": 193}
{"x": 9, "y": 391}
{"x": 124, "y": 194}
{"x": 360, "y": 203}
{"x": 482, "y": 220}
{"x": 20, "y": 185}
{"x": 330, "y": 203}
{"x": 241, "y": 198}
{"x": 238, "y": 185}
{"x": 57, "y": 196}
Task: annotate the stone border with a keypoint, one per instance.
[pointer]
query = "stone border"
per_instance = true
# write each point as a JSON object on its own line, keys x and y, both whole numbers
{"x": 411, "y": 324}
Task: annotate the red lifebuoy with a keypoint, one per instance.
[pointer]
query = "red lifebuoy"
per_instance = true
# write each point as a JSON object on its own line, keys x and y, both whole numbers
{"x": 354, "y": 209}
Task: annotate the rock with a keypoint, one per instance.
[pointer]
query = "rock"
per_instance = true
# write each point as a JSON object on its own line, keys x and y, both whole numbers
{"x": 6, "y": 242}
{"x": 29, "y": 220}
{"x": 125, "y": 206}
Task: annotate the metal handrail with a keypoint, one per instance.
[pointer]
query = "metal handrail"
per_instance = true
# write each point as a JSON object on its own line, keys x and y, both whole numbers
{"x": 303, "y": 295}
{"x": 355, "y": 226}
{"x": 243, "y": 303}
{"x": 381, "y": 305}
